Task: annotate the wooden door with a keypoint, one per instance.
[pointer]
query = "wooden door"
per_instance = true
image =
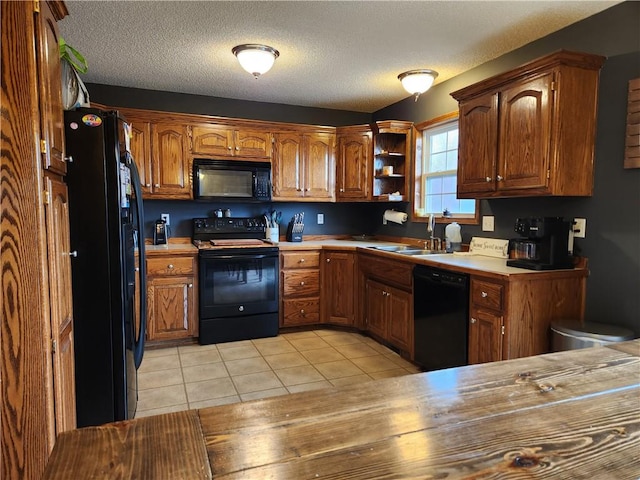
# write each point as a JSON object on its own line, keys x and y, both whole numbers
{"x": 141, "y": 151}
{"x": 287, "y": 166}
{"x": 61, "y": 304}
{"x": 354, "y": 164}
{"x": 170, "y": 164}
{"x": 478, "y": 144}
{"x": 212, "y": 140}
{"x": 50, "y": 91}
{"x": 171, "y": 308}
{"x": 525, "y": 132}
{"x": 338, "y": 288}
{"x": 319, "y": 180}
{"x": 376, "y": 309}
{"x": 253, "y": 144}
{"x": 485, "y": 337}
{"x": 399, "y": 324}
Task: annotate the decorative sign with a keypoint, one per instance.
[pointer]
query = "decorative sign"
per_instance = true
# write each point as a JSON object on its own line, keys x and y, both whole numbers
{"x": 489, "y": 247}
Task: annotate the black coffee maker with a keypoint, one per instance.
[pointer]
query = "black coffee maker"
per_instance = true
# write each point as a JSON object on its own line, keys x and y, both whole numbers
{"x": 545, "y": 245}
{"x": 160, "y": 233}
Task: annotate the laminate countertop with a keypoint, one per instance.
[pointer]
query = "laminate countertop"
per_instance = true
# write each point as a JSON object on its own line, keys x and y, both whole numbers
{"x": 565, "y": 415}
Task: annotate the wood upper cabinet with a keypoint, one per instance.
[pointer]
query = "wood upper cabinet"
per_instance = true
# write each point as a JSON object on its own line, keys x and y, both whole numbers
{"x": 170, "y": 166}
{"x": 160, "y": 150}
{"x": 353, "y": 163}
{"x": 223, "y": 141}
{"x": 530, "y": 131}
{"x": 338, "y": 287}
{"x": 50, "y": 91}
{"x": 171, "y": 297}
{"x": 303, "y": 166}
{"x": 61, "y": 304}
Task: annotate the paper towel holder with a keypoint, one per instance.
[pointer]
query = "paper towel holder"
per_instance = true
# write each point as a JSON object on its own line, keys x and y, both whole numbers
{"x": 388, "y": 212}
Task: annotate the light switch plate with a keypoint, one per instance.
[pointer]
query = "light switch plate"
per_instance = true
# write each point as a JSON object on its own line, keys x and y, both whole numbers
{"x": 579, "y": 227}
{"x": 488, "y": 223}
{"x": 320, "y": 218}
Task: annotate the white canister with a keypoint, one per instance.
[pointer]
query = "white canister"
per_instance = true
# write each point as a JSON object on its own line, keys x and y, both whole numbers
{"x": 273, "y": 234}
{"x": 453, "y": 237}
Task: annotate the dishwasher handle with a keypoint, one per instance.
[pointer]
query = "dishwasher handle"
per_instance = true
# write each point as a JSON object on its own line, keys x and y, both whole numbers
{"x": 436, "y": 275}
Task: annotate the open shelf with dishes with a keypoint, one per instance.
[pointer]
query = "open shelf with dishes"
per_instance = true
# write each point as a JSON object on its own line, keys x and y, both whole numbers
{"x": 391, "y": 160}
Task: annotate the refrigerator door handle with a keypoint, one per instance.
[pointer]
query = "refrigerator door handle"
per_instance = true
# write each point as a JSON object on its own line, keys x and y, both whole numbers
{"x": 139, "y": 342}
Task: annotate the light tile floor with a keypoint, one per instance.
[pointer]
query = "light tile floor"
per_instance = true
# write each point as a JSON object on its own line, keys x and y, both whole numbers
{"x": 196, "y": 376}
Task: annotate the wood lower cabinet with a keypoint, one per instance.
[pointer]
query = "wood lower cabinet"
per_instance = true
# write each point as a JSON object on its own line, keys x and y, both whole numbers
{"x": 303, "y": 166}
{"x": 530, "y": 131}
{"x": 299, "y": 288}
{"x": 510, "y": 317}
{"x": 171, "y": 297}
{"x": 338, "y": 287}
{"x": 387, "y": 301}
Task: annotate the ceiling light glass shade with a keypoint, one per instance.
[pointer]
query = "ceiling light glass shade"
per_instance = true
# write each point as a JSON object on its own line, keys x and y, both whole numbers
{"x": 417, "y": 81}
{"x": 256, "y": 59}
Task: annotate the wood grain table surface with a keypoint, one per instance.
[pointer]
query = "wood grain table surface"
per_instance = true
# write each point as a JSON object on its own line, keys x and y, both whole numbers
{"x": 565, "y": 415}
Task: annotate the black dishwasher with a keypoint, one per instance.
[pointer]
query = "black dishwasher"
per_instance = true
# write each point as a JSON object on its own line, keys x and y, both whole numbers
{"x": 441, "y": 316}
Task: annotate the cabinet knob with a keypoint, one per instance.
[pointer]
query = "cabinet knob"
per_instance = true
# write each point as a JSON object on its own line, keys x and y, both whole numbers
{"x": 157, "y": 185}
{"x": 229, "y": 147}
{"x": 147, "y": 185}
{"x": 170, "y": 266}
{"x": 473, "y": 320}
{"x": 237, "y": 148}
{"x": 307, "y": 190}
{"x": 328, "y": 260}
{"x": 302, "y": 312}
{"x": 137, "y": 269}
{"x": 241, "y": 308}
{"x": 301, "y": 260}
{"x": 298, "y": 189}
{"x": 73, "y": 254}
{"x": 499, "y": 177}
{"x": 301, "y": 284}
{"x": 342, "y": 189}
{"x": 68, "y": 159}
{"x": 484, "y": 294}
{"x": 488, "y": 179}
{"x": 190, "y": 285}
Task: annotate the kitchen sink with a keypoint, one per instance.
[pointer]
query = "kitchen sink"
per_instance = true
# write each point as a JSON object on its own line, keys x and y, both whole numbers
{"x": 393, "y": 248}
{"x": 421, "y": 252}
{"x": 407, "y": 250}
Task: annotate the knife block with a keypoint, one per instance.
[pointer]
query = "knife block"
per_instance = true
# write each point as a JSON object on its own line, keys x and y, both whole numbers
{"x": 294, "y": 232}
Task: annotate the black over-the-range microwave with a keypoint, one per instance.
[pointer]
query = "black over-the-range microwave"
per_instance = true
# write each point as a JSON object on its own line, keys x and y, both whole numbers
{"x": 235, "y": 180}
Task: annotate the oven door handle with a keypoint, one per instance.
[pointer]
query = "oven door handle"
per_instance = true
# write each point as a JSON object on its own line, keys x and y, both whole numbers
{"x": 240, "y": 257}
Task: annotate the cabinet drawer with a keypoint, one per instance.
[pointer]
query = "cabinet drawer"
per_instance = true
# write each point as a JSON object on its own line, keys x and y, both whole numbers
{"x": 300, "y": 311}
{"x": 300, "y": 283}
{"x": 170, "y": 265}
{"x": 400, "y": 274}
{"x": 487, "y": 294}
{"x": 310, "y": 259}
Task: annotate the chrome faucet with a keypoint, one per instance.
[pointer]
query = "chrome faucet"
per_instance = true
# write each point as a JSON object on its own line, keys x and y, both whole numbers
{"x": 434, "y": 243}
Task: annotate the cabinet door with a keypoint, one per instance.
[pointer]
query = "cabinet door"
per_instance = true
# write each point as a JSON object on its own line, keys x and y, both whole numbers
{"x": 354, "y": 164}
{"x": 171, "y": 308}
{"x": 287, "y": 166}
{"x": 478, "y": 144}
{"x": 375, "y": 306}
{"x": 252, "y": 144}
{"x": 141, "y": 151}
{"x": 399, "y": 331}
{"x": 525, "y": 134}
{"x": 319, "y": 180}
{"x": 338, "y": 288}
{"x": 50, "y": 91}
{"x": 170, "y": 163}
{"x": 212, "y": 141}
{"x": 61, "y": 304}
{"x": 485, "y": 337}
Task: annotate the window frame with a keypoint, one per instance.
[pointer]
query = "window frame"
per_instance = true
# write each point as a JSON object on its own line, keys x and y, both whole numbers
{"x": 417, "y": 197}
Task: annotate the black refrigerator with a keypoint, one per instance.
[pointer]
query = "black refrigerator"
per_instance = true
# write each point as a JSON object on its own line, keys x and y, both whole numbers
{"x": 107, "y": 229}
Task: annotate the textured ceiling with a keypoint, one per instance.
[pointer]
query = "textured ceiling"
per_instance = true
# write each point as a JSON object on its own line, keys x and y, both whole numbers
{"x": 333, "y": 54}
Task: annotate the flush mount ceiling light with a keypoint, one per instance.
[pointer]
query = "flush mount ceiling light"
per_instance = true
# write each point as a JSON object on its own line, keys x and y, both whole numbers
{"x": 255, "y": 59}
{"x": 417, "y": 81}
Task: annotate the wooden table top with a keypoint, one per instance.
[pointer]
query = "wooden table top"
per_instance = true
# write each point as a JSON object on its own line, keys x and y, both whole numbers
{"x": 566, "y": 415}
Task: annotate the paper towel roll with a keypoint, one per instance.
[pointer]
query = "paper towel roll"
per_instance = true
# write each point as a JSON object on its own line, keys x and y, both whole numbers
{"x": 393, "y": 216}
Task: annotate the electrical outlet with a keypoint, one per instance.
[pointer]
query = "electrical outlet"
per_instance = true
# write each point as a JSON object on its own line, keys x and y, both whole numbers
{"x": 579, "y": 227}
{"x": 488, "y": 223}
{"x": 165, "y": 217}
{"x": 320, "y": 218}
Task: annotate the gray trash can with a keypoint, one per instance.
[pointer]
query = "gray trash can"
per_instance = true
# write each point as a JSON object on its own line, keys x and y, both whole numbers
{"x": 571, "y": 334}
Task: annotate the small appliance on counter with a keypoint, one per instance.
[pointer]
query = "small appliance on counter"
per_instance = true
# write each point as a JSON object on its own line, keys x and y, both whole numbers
{"x": 545, "y": 245}
{"x": 160, "y": 233}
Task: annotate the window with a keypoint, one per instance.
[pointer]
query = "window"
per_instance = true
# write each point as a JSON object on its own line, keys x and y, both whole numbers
{"x": 436, "y": 172}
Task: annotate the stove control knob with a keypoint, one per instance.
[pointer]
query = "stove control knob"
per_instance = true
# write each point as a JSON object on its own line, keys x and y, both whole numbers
{"x": 241, "y": 308}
